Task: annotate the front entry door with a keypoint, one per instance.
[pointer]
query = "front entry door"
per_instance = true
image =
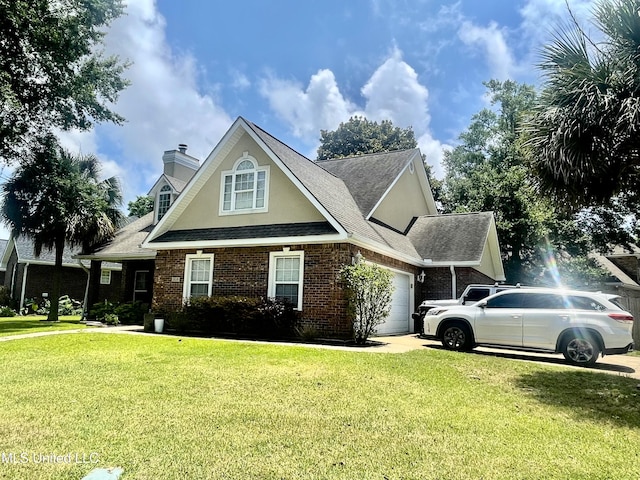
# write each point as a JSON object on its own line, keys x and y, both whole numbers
{"x": 142, "y": 286}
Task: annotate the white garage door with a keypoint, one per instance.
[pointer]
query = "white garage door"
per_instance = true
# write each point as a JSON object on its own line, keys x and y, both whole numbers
{"x": 398, "y": 319}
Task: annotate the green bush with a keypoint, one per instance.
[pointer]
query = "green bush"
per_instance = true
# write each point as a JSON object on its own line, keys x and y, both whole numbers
{"x": 234, "y": 315}
{"x": 111, "y": 319}
{"x": 368, "y": 289}
{"x": 131, "y": 313}
{"x": 5, "y": 297}
{"x": 7, "y": 312}
{"x": 100, "y": 310}
{"x": 68, "y": 306}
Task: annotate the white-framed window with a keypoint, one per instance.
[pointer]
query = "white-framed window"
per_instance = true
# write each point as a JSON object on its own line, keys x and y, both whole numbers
{"x": 164, "y": 201}
{"x": 286, "y": 274}
{"x": 245, "y": 189}
{"x": 105, "y": 277}
{"x": 198, "y": 275}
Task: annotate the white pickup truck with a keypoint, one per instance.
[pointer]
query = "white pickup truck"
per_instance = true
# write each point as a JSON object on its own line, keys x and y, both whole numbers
{"x": 473, "y": 293}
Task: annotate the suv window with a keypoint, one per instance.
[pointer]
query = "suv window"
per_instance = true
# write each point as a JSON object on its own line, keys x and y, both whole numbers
{"x": 546, "y": 301}
{"x": 585, "y": 303}
{"x": 513, "y": 300}
{"x": 476, "y": 294}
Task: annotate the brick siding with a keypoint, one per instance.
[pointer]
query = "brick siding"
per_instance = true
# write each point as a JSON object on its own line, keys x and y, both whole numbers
{"x": 437, "y": 284}
{"x": 245, "y": 271}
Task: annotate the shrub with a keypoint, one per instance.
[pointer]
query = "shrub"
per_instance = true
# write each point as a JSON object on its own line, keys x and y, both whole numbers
{"x": 7, "y": 312}
{"x": 233, "y": 315}
{"x": 100, "y": 310}
{"x": 5, "y": 297}
{"x": 368, "y": 289}
{"x": 131, "y": 313}
{"x": 68, "y": 306}
{"x": 111, "y": 319}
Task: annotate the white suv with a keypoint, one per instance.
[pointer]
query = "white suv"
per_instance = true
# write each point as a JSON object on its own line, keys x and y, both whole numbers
{"x": 580, "y": 325}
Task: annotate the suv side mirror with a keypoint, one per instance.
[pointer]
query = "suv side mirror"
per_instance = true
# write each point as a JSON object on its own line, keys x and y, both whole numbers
{"x": 482, "y": 305}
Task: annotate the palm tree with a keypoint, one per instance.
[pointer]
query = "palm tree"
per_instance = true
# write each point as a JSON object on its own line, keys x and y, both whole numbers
{"x": 585, "y": 133}
{"x": 56, "y": 199}
{"x": 584, "y": 136}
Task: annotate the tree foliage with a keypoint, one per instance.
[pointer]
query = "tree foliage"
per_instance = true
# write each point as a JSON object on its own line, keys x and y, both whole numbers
{"x": 584, "y": 134}
{"x": 368, "y": 289}
{"x": 52, "y": 71}
{"x": 489, "y": 171}
{"x": 142, "y": 205}
{"x": 359, "y": 136}
{"x": 56, "y": 199}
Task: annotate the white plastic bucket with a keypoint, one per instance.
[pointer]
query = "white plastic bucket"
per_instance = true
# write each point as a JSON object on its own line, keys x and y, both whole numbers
{"x": 158, "y": 325}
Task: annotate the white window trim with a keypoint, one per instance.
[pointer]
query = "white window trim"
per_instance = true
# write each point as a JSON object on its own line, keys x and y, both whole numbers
{"x": 186, "y": 290}
{"x": 156, "y": 203}
{"x": 103, "y": 273}
{"x": 271, "y": 292}
{"x": 232, "y": 173}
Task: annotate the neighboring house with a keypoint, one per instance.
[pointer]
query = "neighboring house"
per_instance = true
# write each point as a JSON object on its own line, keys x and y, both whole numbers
{"x": 3, "y": 268}
{"x": 623, "y": 266}
{"x": 259, "y": 219}
{"x": 29, "y": 277}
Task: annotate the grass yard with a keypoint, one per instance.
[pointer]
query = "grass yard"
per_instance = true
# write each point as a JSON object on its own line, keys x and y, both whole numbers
{"x": 170, "y": 408}
{"x": 37, "y": 323}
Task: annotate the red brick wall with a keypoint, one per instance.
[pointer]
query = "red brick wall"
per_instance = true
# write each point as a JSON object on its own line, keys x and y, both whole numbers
{"x": 245, "y": 271}
{"x": 40, "y": 280}
{"x": 437, "y": 284}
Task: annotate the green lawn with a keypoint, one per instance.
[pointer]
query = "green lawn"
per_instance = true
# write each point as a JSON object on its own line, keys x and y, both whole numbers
{"x": 171, "y": 408}
{"x": 36, "y": 323}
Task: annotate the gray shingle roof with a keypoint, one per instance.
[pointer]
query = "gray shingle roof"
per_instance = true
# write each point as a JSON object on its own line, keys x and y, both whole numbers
{"x": 369, "y": 176}
{"x": 248, "y": 231}
{"x": 330, "y": 191}
{"x": 177, "y": 184}
{"x": 458, "y": 237}
{"x": 24, "y": 247}
{"x": 126, "y": 244}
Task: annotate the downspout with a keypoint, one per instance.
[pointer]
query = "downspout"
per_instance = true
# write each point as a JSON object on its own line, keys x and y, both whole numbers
{"x": 86, "y": 290}
{"x": 24, "y": 284}
{"x": 454, "y": 286}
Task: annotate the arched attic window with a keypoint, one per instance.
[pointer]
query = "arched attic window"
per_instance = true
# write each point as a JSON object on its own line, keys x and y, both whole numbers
{"x": 164, "y": 201}
{"x": 244, "y": 189}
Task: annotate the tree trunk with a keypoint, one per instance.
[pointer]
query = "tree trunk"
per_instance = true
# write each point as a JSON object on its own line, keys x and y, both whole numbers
{"x": 55, "y": 291}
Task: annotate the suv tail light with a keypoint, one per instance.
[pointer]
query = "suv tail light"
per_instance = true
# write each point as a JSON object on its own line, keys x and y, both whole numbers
{"x": 621, "y": 317}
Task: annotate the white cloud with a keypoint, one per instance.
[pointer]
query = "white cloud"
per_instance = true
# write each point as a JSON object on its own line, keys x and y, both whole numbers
{"x": 393, "y": 92}
{"x": 320, "y": 107}
{"x": 239, "y": 80}
{"x": 552, "y": 11}
{"x": 163, "y": 106}
{"x": 491, "y": 40}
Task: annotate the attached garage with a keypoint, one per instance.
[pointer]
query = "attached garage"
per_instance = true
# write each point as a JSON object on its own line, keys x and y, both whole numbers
{"x": 399, "y": 320}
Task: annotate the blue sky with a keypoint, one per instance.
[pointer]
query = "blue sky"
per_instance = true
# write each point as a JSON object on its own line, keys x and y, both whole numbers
{"x": 295, "y": 67}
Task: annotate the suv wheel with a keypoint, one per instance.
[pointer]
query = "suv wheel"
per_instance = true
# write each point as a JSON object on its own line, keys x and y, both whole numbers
{"x": 456, "y": 336}
{"x": 580, "y": 349}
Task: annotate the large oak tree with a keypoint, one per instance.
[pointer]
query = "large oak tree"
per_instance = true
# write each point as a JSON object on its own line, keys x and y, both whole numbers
{"x": 53, "y": 73}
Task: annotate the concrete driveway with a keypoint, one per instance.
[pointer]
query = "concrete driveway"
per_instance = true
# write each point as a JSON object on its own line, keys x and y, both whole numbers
{"x": 625, "y": 365}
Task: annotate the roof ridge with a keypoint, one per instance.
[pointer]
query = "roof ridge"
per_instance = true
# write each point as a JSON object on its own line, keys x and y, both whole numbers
{"x": 361, "y": 155}
{"x": 440, "y": 215}
{"x": 277, "y": 139}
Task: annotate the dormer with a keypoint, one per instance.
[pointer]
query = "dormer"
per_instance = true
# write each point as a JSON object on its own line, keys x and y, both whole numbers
{"x": 178, "y": 170}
